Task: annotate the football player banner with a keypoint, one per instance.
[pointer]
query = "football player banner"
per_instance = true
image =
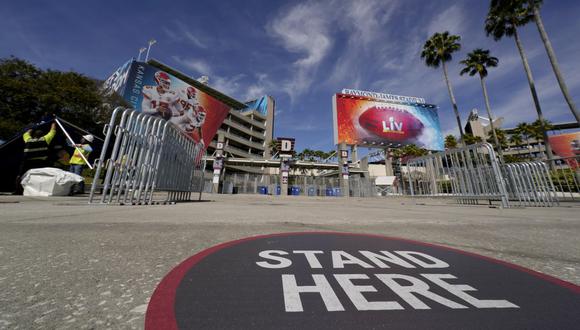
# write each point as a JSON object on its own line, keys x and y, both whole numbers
{"x": 373, "y": 123}
{"x": 158, "y": 93}
{"x": 567, "y": 146}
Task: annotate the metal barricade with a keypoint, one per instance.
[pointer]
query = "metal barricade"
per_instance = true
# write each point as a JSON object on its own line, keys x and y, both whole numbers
{"x": 530, "y": 184}
{"x": 468, "y": 174}
{"x": 148, "y": 155}
{"x": 565, "y": 175}
{"x": 474, "y": 173}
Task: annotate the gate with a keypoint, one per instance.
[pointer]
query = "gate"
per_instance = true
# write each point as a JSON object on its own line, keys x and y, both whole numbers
{"x": 148, "y": 155}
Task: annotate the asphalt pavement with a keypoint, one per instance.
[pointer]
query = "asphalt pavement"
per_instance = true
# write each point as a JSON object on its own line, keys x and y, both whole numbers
{"x": 67, "y": 264}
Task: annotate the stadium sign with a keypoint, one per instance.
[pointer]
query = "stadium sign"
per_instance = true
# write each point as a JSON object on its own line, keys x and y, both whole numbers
{"x": 321, "y": 280}
{"x": 370, "y": 122}
{"x": 384, "y": 96}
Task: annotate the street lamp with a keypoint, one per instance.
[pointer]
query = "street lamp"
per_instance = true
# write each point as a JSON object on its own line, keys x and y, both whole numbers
{"x": 151, "y": 43}
{"x": 141, "y": 50}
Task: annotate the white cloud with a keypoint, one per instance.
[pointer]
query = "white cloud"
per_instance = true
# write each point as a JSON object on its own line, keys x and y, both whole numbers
{"x": 303, "y": 29}
{"x": 452, "y": 20}
{"x": 199, "y": 66}
{"x": 519, "y": 106}
{"x": 183, "y": 33}
{"x": 230, "y": 86}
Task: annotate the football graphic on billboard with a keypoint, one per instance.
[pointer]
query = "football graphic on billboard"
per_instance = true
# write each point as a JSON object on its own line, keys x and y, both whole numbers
{"x": 373, "y": 123}
{"x": 391, "y": 123}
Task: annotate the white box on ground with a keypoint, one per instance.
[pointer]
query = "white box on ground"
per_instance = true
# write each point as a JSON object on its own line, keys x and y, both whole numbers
{"x": 385, "y": 180}
{"x": 48, "y": 181}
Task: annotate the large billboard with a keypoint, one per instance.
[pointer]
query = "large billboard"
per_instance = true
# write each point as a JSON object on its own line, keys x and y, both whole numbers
{"x": 372, "y": 122}
{"x": 158, "y": 93}
{"x": 567, "y": 146}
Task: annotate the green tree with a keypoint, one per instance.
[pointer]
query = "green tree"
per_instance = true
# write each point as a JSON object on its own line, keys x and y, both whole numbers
{"x": 537, "y": 128}
{"x": 516, "y": 139}
{"x": 450, "y": 142}
{"x": 409, "y": 151}
{"x": 477, "y": 62}
{"x": 502, "y": 141}
{"x": 537, "y": 131}
{"x": 470, "y": 139}
{"x": 27, "y": 93}
{"x": 437, "y": 51}
{"x": 503, "y": 19}
{"x": 526, "y": 131}
{"x": 534, "y": 8}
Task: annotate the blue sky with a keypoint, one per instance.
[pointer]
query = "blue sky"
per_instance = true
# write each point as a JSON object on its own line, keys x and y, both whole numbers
{"x": 303, "y": 52}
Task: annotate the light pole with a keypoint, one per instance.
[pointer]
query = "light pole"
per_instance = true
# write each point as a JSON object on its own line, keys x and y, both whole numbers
{"x": 151, "y": 43}
{"x": 141, "y": 50}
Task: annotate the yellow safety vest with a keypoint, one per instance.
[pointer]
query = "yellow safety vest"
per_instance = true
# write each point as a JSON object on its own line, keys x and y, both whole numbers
{"x": 76, "y": 158}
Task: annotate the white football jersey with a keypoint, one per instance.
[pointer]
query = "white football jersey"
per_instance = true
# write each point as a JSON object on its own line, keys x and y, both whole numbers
{"x": 192, "y": 111}
{"x": 153, "y": 101}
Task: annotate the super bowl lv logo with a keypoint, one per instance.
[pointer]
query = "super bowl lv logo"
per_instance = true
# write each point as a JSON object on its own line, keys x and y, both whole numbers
{"x": 390, "y": 123}
{"x": 393, "y": 126}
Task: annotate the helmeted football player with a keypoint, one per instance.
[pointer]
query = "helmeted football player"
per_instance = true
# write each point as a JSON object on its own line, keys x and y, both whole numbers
{"x": 193, "y": 117}
{"x": 160, "y": 100}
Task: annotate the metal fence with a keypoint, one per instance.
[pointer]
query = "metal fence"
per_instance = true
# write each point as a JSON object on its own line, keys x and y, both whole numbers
{"x": 467, "y": 174}
{"x": 473, "y": 173}
{"x": 149, "y": 155}
{"x": 565, "y": 175}
{"x": 530, "y": 184}
{"x": 298, "y": 185}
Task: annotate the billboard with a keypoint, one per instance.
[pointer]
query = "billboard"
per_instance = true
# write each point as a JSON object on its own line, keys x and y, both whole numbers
{"x": 566, "y": 146}
{"x": 375, "y": 123}
{"x": 155, "y": 92}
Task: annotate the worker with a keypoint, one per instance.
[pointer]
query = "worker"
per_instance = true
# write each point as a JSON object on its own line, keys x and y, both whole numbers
{"x": 77, "y": 162}
{"x": 36, "y": 145}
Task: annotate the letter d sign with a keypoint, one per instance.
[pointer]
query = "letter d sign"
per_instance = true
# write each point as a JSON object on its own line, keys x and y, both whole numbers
{"x": 285, "y": 145}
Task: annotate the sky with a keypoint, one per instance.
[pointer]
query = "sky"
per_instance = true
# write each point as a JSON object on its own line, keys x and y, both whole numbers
{"x": 303, "y": 52}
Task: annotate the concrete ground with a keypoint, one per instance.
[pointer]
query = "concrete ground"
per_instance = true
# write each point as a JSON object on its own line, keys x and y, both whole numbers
{"x": 66, "y": 264}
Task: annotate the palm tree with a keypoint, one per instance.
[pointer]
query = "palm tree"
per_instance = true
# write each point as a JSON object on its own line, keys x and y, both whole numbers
{"x": 537, "y": 129}
{"x": 450, "y": 142}
{"x": 502, "y": 20}
{"x": 525, "y": 130}
{"x": 469, "y": 139}
{"x": 437, "y": 50}
{"x": 534, "y": 7}
{"x": 477, "y": 62}
{"x": 498, "y": 134}
{"x": 516, "y": 139}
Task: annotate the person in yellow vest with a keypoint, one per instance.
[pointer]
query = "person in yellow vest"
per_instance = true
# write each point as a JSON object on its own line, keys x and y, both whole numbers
{"x": 77, "y": 163}
{"x": 36, "y": 151}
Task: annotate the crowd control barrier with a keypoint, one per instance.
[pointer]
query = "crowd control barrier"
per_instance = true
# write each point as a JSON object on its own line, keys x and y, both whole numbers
{"x": 530, "y": 184}
{"x": 474, "y": 173}
{"x": 142, "y": 156}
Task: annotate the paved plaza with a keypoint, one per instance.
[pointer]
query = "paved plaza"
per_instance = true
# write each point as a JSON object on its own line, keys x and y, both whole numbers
{"x": 66, "y": 264}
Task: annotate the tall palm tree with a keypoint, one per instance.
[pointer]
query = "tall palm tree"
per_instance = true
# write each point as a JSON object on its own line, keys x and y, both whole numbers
{"x": 534, "y": 7}
{"x": 503, "y": 20}
{"x": 437, "y": 50}
{"x": 477, "y": 62}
